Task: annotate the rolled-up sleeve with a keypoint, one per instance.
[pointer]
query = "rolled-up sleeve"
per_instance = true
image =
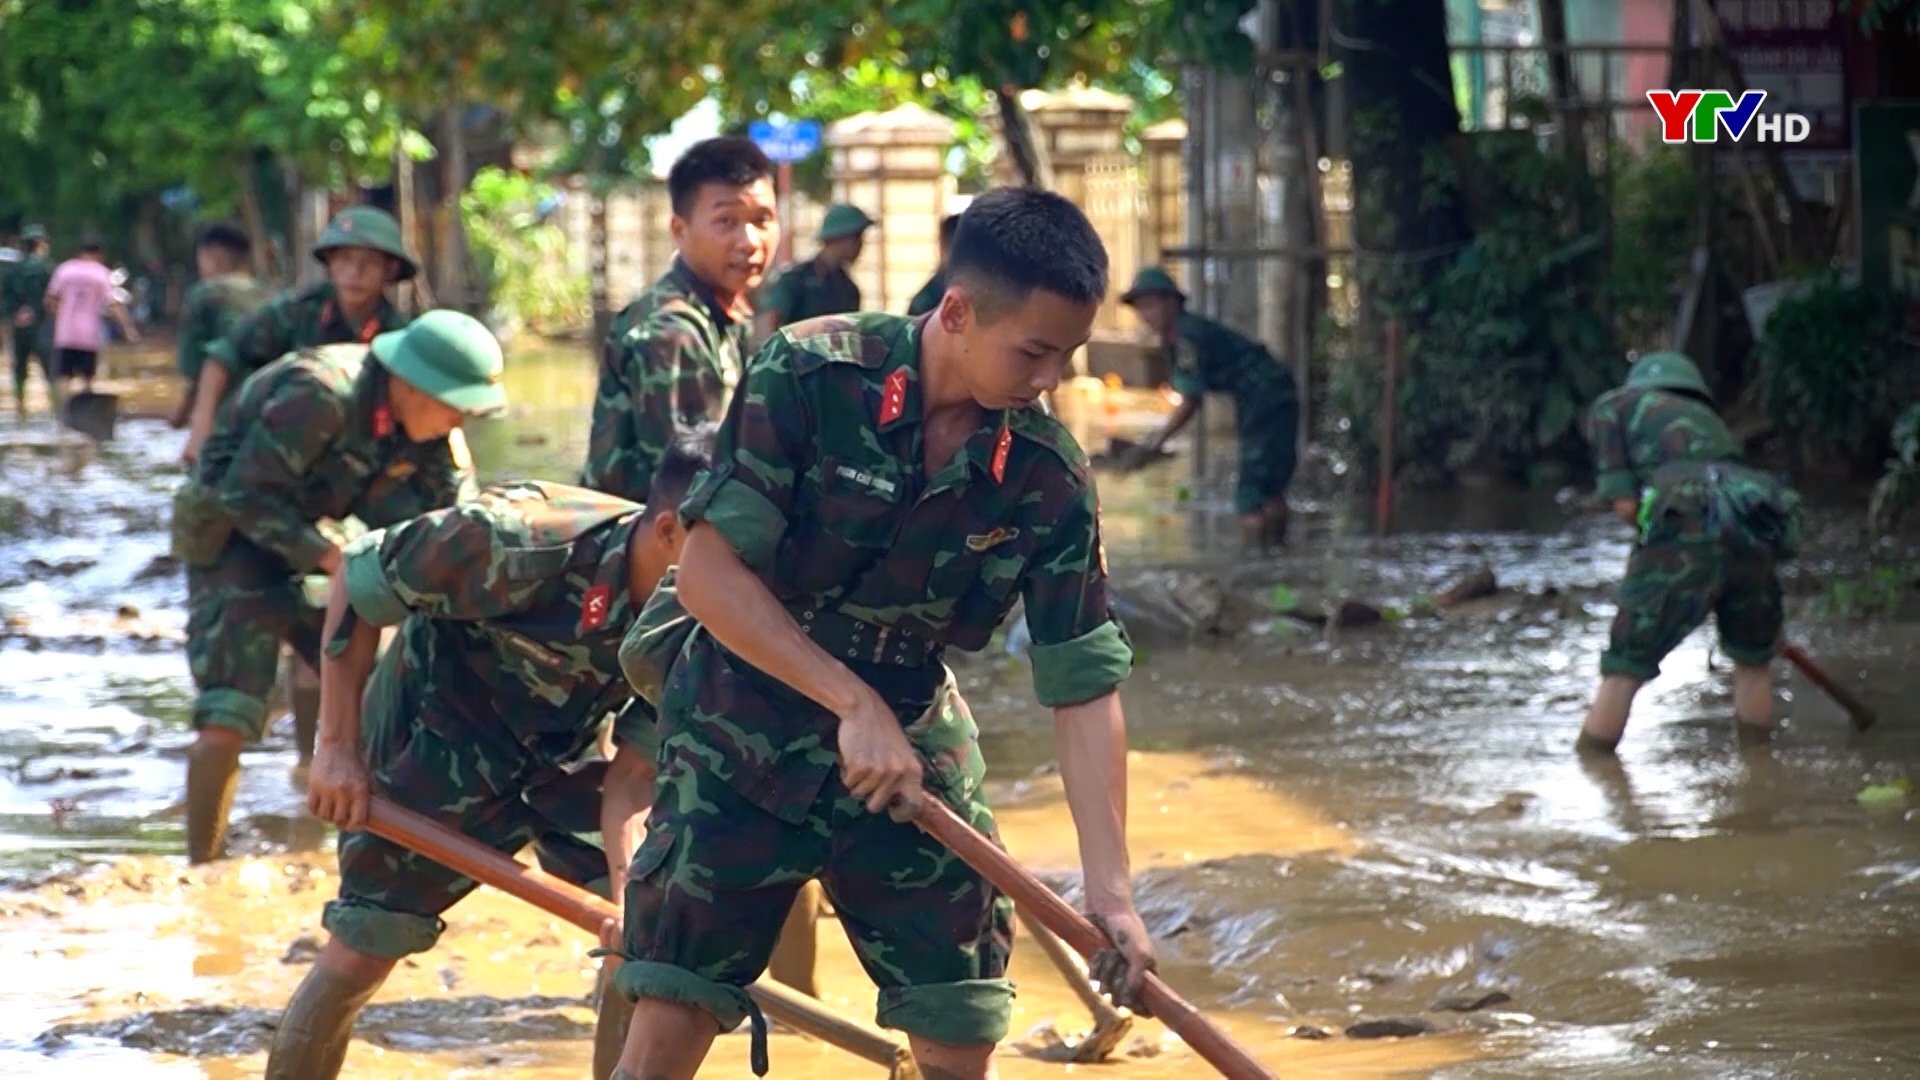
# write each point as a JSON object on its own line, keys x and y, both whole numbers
{"x": 759, "y": 455}
{"x": 1079, "y": 652}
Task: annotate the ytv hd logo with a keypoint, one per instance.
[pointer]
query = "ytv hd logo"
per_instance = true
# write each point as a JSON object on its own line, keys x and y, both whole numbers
{"x": 1699, "y": 115}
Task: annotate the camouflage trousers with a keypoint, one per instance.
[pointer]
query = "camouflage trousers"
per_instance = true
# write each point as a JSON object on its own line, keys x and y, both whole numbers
{"x": 712, "y": 884}
{"x": 1673, "y": 585}
{"x": 239, "y": 610}
{"x": 391, "y": 898}
{"x": 1268, "y": 454}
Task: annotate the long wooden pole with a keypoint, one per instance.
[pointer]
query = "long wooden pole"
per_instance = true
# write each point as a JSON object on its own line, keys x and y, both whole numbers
{"x": 1857, "y": 710}
{"x": 568, "y": 901}
{"x": 1040, "y": 903}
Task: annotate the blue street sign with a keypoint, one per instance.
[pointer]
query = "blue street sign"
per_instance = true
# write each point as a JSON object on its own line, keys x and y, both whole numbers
{"x": 785, "y": 142}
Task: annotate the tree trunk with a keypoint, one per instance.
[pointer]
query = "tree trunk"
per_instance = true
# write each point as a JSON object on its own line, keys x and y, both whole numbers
{"x": 255, "y": 221}
{"x": 1023, "y": 142}
{"x": 453, "y": 140}
{"x": 1401, "y": 113}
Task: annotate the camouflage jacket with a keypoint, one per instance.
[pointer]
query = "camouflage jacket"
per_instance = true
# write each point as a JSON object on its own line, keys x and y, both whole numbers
{"x": 210, "y": 311}
{"x": 25, "y": 287}
{"x": 1677, "y": 458}
{"x": 296, "y": 319}
{"x": 807, "y": 290}
{"x": 929, "y": 295}
{"x": 313, "y": 438}
{"x": 512, "y": 608}
{"x": 672, "y": 358}
{"x": 818, "y": 485}
{"x": 1209, "y": 357}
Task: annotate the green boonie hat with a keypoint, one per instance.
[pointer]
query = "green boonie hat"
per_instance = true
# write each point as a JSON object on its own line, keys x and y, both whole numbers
{"x": 842, "y": 220}
{"x": 451, "y": 357}
{"x": 1149, "y": 281}
{"x": 367, "y": 227}
{"x": 33, "y": 232}
{"x": 1667, "y": 370}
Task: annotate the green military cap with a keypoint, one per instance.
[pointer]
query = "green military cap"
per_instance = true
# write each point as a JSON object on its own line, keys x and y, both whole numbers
{"x": 33, "y": 232}
{"x": 1149, "y": 281}
{"x": 450, "y": 356}
{"x": 842, "y": 220}
{"x": 367, "y": 227}
{"x": 1667, "y": 370}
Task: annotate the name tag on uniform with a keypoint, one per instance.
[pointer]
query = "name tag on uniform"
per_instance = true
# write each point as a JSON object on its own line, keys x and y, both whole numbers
{"x": 867, "y": 480}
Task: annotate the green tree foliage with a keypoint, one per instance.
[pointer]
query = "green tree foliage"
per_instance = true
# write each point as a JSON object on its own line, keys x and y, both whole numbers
{"x": 1834, "y": 366}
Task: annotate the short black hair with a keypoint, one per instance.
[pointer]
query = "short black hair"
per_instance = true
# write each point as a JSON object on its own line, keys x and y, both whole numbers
{"x": 723, "y": 159}
{"x": 90, "y": 247}
{"x": 689, "y": 450}
{"x": 948, "y": 226}
{"x": 226, "y": 236}
{"x": 1011, "y": 241}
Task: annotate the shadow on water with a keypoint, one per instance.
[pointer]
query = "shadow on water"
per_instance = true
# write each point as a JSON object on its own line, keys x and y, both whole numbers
{"x": 1384, "y": 822}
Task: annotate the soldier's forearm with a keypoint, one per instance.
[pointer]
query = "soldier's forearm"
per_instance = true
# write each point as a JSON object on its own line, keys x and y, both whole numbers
{"x": 1090, "y": 740}
{"x": 344, "y": 671}
{"x": 1180, "y": 417}
{"x": 741, "y": 613}
{"x": 625, "y": 796}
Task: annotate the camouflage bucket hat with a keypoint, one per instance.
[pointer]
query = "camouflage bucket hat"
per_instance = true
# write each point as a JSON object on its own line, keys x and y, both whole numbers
{"x": 1150, "y": 281}
{"x": 842, "y": 220}
{"x": 1667, "y": 370}
{"x": 367, "y": 227}
{"x": 450, "y": 356}
{"x": 33, "y": 232}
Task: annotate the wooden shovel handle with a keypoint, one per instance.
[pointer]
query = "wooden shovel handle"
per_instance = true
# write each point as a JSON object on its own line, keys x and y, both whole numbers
{"x": 1041, "y": 904}
{"x": 565, "y": 900}
{"x": 1857, "y": 710}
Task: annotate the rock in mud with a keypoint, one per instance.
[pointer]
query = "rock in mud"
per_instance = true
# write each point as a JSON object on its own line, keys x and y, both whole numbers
{"x": 304, "y": 950}
{"x": 1466, "y": 1003}
{"x": 1481, "y": 583}
{"x": 159, "y": 566}
{"x": 1388, "y": 1029}
{"x": 1179, "y": 604}
{"x": 1308, "y": 1031}
{"x": 64, "y": 568}
{"x": 1354, "y": 614}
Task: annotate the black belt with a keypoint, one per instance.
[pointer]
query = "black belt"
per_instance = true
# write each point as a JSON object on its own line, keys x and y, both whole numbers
{"x": 847, "y": 638}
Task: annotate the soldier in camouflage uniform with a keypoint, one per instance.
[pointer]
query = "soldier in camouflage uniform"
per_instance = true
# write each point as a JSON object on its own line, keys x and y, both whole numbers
{"x": 1208, "y": 356}
{"x": 929, "y": 295}
{"x": 321, "y": 434}
{"x": 674, "y": 355}
{"x": 23, "y": 301}
{"x": 225, "y": 294}
{"x": 821, "y": 285}
{"x": 502, "y": 681}
{"x": 363, "y": 253}
{"x": 1709, "y": 533}
{"x": 882, "y": 489}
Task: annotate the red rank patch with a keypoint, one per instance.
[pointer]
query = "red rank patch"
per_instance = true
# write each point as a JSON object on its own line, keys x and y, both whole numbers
{"x": 382, "y": 422}
{"x": 1000, "y": 454}
{"x": 594, "y": 607}
{"x": 894, "y": 401}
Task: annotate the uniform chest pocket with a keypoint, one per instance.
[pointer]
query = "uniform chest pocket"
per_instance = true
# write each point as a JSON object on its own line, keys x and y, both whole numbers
{"x": 985, "y": 560}
{"x": 859, "y": 505}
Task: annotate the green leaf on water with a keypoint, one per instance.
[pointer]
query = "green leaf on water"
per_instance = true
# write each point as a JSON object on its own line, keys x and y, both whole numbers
{"x": 1285, "y": 599}
{"x": 1884, "y": 794}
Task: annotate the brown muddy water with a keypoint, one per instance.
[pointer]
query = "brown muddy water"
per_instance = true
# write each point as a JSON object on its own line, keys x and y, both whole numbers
{"x": 1383, "y": 823}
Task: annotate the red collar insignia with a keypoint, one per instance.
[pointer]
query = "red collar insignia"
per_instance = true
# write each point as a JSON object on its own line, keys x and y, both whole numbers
{"x": 594, "y": 607}
{"x": 893, "y": 401}
{"x": 1000, "y": 454}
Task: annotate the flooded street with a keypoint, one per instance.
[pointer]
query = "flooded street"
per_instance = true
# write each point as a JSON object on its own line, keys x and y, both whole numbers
{"x": 1379, "y": 823}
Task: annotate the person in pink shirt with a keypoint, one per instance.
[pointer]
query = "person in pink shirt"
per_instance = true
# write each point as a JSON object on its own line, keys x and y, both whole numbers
{"x": 79, "y": 296}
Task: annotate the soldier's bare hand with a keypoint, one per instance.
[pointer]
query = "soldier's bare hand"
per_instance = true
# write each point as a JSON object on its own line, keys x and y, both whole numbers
{"x": 190, "y": 453}
{"x": 876, "y": 759}
{"x": 1121, "y": 970}
{"x": 338, "y": 789}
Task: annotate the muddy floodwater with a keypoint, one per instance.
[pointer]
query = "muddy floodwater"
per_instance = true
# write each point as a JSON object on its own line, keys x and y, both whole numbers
{"x": 1331, "y": 827}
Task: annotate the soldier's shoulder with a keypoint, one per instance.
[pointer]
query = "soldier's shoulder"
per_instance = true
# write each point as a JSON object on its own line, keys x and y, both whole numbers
{"x": 332, "y": 366}
{"x": 545, "y": 513}
{"x": 1035, "y": 425}
{"x": 865, "y": 339}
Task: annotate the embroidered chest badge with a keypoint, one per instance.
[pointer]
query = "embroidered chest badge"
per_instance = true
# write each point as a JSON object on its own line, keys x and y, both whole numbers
{"x": 893, "y": 401}
{"x": 594, "y": 607}
{"x": 987, "y": 541}
{"x": 1000, "y": 454}
{"x": 866, "y": 479}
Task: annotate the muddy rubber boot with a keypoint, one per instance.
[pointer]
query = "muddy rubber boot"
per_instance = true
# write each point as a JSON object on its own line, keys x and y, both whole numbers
{"x": 213, "y": 775}
{"x": 614, "y": 1015}
{"x": 794, "y": 954}
{"x": 315, "y": 1030}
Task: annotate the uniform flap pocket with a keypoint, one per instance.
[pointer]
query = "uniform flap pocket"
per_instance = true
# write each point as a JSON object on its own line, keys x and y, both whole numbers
{"x": 535, "y": 564}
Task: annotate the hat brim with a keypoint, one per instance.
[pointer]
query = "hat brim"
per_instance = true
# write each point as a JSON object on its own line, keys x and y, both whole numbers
{"x": 488, "y": 400}
{"x": 1131, "y": 295}
{"x": 408, "y": 268}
